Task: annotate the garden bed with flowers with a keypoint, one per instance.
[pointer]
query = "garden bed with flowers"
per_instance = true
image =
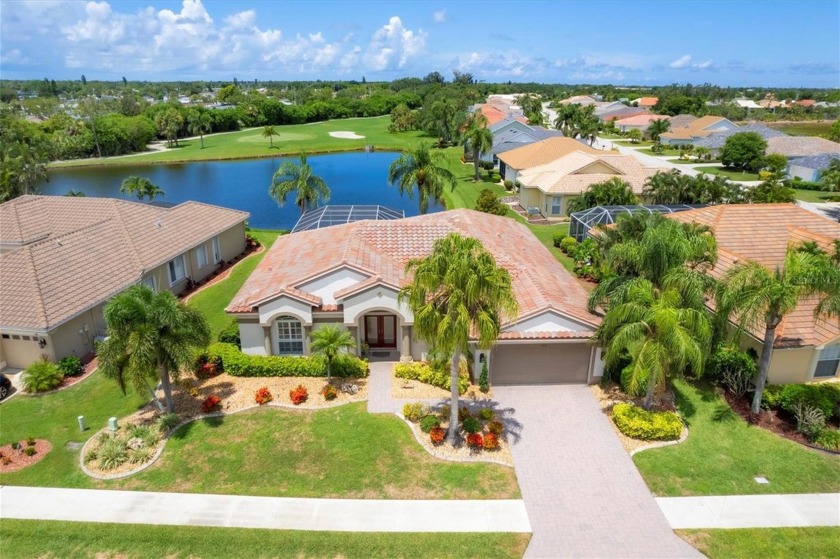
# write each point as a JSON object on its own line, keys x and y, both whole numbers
{"x": 18, "y": 455}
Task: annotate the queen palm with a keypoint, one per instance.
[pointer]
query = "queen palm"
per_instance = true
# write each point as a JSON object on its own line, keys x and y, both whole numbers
{"x": 329, "y": 341}
{"x": 269, "y": 132}
{"x": 757, "y": 297}
{"x": 458, "y": 292}
{"x": 298, "y": 177}
{"x": 421, "y": 168}
{"x": 658, "y": 127}
{"x": 661, "y": 335}
{"x": 479, "y": 138}
{"x": 141, "y": 187}
{"x": 150, "y": 335}
{"x": 198, "y": 123}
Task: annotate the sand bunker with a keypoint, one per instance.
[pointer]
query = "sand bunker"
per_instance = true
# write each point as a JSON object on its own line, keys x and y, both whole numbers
{"x": 346, "y": 135}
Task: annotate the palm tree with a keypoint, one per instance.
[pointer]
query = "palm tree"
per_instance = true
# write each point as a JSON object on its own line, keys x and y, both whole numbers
{"x": 661, "y": 335}
{"x": 291, "y": 177}
{"x": 830, "y": 178}
{"x": 478, "y": 137}
{"x": 701, "y": 152}
{"x": 458, "y": 290}
{"x": 198, "y": 122}
{"x": 757, "y": 297}
{"x": 141, "y": 187}
{"x": 611, "y": 192}
{"x": 421, "y": 168}
{"x": 75, "y": 194}
{"x": 658, "y": 127}
{"x": 269, "y": 132}
{"x": 150, "y": 335}
{"x": 329, "y": 341}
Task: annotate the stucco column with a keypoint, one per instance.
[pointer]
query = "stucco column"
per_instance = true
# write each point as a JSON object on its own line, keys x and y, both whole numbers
{"x": 267, "y": 339}
{"x": 354, "y": 333}
{"x": 307, "y": 331}
{"x": 405, "y": 353}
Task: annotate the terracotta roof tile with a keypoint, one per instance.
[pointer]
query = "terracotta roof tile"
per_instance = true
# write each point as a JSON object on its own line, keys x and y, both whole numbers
{"x": 542, "y": 152}
{"x": 573, "y": 173}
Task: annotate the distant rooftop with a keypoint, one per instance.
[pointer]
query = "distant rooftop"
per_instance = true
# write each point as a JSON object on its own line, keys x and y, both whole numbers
{"x": 339, "y": 215}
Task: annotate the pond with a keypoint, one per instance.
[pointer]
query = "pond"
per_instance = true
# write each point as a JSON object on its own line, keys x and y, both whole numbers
{"x": 353, "y": 178}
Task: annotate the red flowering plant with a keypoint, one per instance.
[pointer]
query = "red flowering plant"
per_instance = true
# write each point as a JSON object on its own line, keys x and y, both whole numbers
{"x": 206, "y": 368}
{"x": 437, "y": 434}
{"x": 211, "y": 403}
{"x": 475, "y": 440}
{"x": 298, "y": 395}
{"x": 329, "y": 392}
{"x": 491, "y": 441}
{"x": 263, "y": 396}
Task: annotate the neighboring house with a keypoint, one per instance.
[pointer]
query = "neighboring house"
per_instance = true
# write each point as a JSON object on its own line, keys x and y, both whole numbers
{"x": 801, "y": 146}
{"x": 810, "y": 168}
{"x": 639, "y": 122}
{"x": 550, "y": 187}
{"x": 583, "y": 100}
{"x": 508, "y": 124}
{"x": 62, "y": 258}
{"x": 604, "y": 107}
{"x": 491, "y": 113}
{"x": 513, "y": 139}
{"x": 645, "y": 102}
{"x": 715, "y": 142}
{"x": 355, "y": 280}
{"x": 747, "y": 104}
{"x": 806, "y": 348}
{"x": 699, "y": 128}
{"x": 512, "y": 162}
{"x": 682, "y": 121}
{"x": 618, "y": 113}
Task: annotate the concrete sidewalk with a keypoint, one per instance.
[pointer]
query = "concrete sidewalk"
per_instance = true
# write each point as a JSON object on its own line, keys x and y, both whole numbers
{"x": 340, "y": 515}
{"x": 752, "y": 511}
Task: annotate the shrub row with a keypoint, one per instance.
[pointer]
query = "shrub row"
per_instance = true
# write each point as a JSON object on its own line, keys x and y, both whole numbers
{"x": 239, "y": 364}
{"x": 825, "y": 397}
{"x": 426, "y": 374}
{"x": 638, "y": 423}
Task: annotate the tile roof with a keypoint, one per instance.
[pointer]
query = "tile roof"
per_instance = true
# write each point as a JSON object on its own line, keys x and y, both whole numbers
{"x": 718, "y": 139}
{"x": 542, "y": 152}
{"x": 681, "y": 121}
{"x": 640, "y": 120}
{"x": 646, "y": 101}
{"x": 491, "y": 113}
{"x": 800, "y": 146}
{"x": 79, "y": 252}
{"x": 621, "y": 112}
{"x": 699, "y": 128}
{"x": 382, "y": 249}
{"x": 574, "y": 173}
{"x": 763, "y": 232}
{"x": 821, "y": 161}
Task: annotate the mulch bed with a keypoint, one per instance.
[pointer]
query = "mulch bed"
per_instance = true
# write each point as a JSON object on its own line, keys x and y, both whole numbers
{"x": 17, "y": 460}
{"x": 775, "y": 421}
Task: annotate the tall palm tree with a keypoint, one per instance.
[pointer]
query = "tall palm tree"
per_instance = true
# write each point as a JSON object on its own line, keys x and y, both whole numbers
{"x": 421, "y": 168}
{"x": 757, "y": 297}
{"x": 661, "y": 335}
{"x": 458, "y": 290}
{"x": 611, "y": 192}
{"x": 658, "y": 127}
{"x": 141, "y": 187}
{"x": 298, "y": 177}
{"x": 329, "y": 341}
{"x": 198, "y": 122}
{"x": 269, "y": 132}
{"x": 150, "y": 335}
{"x": 479, "y": 138}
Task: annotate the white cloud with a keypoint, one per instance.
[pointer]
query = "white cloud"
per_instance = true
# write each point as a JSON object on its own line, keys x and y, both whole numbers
{"x": 682, "y": 62}
{"x": 498, "y": 64}
{"x": 439, "y": 16}
{"x": 392, "y": 45}
{"x": 704, "y": 65}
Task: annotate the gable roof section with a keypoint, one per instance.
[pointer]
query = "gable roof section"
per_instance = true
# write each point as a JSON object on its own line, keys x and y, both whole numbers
{"x": 567, "y": 175}
{"x": 542, "y": 152}
{"x": 763, "y": 232}
{"x": 718, "y": 139}
{"x": 88, "y": 250}
{"x": 640, "y": 119}
{"x": 801, "y": 146}
{"x": 383, "y": 248}
{"x": 699, "y": 128}
{"x": 822, "y": 161}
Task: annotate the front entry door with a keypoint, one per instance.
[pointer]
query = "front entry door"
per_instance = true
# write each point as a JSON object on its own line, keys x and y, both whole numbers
{"x": 381, "y": 330}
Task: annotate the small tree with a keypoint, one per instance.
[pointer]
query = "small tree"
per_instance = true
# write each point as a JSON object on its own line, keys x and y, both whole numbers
{"x": 657, "y": 127}
{"x": 776, "y": 164}
{"x": 489, "y": 203}
{"x": 269, "y": 132}
{"x": 744, "y": 150}
{"x": 141, "y": 187}
{"x": 635, "y": 135}
{"x": 329, "y": 341}
{"x": 292, "y": 177}
{"x": 830, "y": 178}
{"x": 771, "y": 191}
{"x": 198, "y": 122}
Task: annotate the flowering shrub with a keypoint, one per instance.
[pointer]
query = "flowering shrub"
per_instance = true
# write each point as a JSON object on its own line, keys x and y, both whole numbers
{"x": 475, "y": 440}
{"x": 211, "y": 403}
{"x": 437, "y": 434}
{"x": 298, "y": 395}
{"x": 207, "y": 367}
{"x": 263, "y": 396}
{"x": 329, "y": 392}
{"x": 491, "y": 441}
{"x": 495, "y": 427}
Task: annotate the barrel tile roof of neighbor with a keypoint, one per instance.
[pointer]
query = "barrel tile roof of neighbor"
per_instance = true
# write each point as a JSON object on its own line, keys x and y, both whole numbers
{"x": 542, "y": 152}
{"x": 800, "y": 146}
{"x": 573, "y": 174}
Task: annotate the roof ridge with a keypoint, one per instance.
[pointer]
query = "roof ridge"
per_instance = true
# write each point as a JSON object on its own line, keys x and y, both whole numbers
{"x": 134, "y": 251}
{"x": 50, "y": 238}
{"x": 39, "y": 300}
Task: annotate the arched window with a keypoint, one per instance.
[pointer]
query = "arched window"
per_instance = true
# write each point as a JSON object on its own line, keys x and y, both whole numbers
{"x": 289, "y": 336}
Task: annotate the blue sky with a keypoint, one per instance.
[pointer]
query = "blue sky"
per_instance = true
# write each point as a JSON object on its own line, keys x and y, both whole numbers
{"x": 761, "y": 43}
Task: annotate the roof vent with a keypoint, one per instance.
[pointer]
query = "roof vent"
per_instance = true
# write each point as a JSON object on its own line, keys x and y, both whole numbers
{"x": 58, "y": 242}
{"x": 158, "y": 223}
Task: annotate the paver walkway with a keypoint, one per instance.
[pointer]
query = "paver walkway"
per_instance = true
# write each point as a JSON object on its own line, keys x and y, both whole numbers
{"x": 752, "y": 511}
{"x": 582, "y": 491}
{"x": 379, "y": 387}
{"x": 342, "y": 515}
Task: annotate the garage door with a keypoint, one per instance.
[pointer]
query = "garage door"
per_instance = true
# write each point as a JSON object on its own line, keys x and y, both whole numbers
{"x": 540, "y": 363}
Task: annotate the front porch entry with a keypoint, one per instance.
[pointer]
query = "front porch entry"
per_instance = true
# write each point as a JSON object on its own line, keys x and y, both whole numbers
{"x": 386, "y": 336}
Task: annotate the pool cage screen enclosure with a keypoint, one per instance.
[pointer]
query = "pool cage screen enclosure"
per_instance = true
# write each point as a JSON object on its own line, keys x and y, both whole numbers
{"x": 582, "y": 222}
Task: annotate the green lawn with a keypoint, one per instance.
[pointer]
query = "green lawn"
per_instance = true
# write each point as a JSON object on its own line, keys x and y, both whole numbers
{"x": 817, "y": 196}
{"x": 213, "y": 300}
{"x": 803, "y": 128}
{"x": 667, "y": 152}
{"x": 730, "y": 174}
{"x": 767, "y": 543}
{"x": 723, "y": 457}
{"x": 314, "y": 138}
{"x": 35, "y": 538}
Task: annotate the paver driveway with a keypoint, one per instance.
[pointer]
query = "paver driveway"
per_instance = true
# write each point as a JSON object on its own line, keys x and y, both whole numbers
{"x": 583, "y": 494}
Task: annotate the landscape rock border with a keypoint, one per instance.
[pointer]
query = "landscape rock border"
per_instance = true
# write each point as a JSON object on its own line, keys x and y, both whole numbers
{"x": 423, "y": 439}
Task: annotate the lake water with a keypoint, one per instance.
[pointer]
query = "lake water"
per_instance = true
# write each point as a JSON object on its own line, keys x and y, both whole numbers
{"x": 353, "y": 178}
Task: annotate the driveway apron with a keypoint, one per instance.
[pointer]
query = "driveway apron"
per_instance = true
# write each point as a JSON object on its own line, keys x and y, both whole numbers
{"x": 583, "y": 494}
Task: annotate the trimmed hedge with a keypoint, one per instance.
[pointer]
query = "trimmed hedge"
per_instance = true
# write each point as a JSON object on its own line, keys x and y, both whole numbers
{"x": 825, "y": 397}
{"x": 424, "y": 373}
{"x": 230, "y": 335}
{"x": 638, "y": 423}
{"x": 239, "y": 364}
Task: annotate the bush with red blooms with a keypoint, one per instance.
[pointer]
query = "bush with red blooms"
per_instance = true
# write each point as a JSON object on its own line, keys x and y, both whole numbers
{"x": 211, "y": 403}
{"x": 437, "y": 434}
{"x": 491, "y": 441}
{"x": 263, "y": 396}
{"x": 475, "y": 440}
{"x": 298, "y": 395}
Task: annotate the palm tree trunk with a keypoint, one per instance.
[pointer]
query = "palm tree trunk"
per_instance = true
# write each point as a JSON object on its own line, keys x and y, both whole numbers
{"x": 154, "y": 396}
{"x": 453, "y": 404}
{"x": 202, "y": 140}
{"x": 271, "y": 141}
{"x": 763, "y": 367}
{"x": 329, "y": 368}
{"x": 650, "y": 393}
{"x": 167, "y": 388}
{"x": 476, "y": 155}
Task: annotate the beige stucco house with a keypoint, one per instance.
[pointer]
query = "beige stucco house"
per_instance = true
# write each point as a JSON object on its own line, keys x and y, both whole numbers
{"x": 806, "y": 348}
{"x": 62, "y": 258}
{"x": 513, "y": 162}
{"x": 550, "y": 187}
{"x": 350, "y": 275}
{"x": 695, "y": 130}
